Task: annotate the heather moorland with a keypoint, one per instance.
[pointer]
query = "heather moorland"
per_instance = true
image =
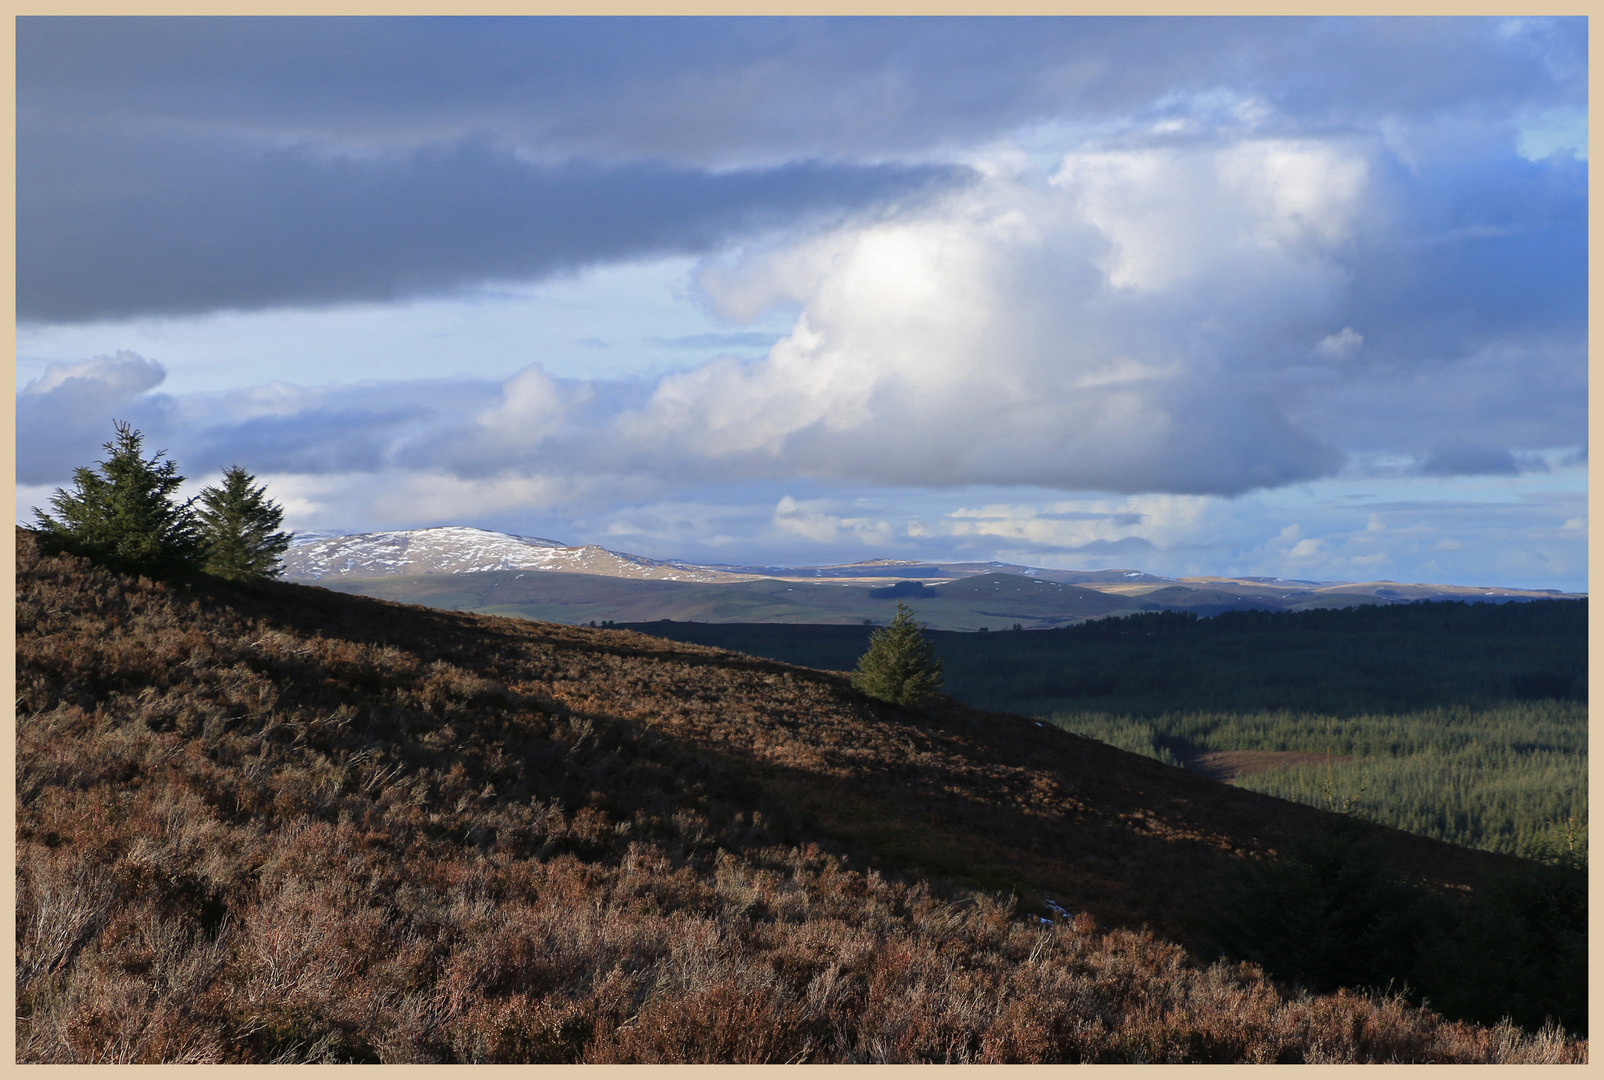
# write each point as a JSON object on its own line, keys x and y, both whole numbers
{"x": 267, "y": 822}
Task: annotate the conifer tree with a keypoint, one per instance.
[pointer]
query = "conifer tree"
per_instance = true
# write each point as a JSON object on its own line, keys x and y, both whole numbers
{"x": 900, "y": 666}
{"x": 239, "y": 526}
{"x": 124, "y": 516}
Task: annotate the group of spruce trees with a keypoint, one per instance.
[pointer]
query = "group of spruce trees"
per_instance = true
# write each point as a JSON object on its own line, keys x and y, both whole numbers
{"x": 125, "y": 516}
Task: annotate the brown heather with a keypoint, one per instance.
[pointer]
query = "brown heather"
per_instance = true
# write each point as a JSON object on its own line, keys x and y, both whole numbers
{"x": 283, "y": 824}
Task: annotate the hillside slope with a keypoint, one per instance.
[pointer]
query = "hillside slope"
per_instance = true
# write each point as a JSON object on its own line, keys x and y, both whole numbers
{"x": 997, "y": 601}
{"x": 288, "y": 824}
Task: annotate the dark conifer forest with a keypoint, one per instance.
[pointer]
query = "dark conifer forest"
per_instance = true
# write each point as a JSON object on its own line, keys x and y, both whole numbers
{"x": 1464, "y": 722}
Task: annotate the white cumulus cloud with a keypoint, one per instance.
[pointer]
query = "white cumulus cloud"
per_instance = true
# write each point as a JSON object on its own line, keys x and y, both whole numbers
{"x": 72, "y": 405}
{"x": 811, "y": 520}
{"x": 1341, "y": 345}
{"x": 1104, "y": 330}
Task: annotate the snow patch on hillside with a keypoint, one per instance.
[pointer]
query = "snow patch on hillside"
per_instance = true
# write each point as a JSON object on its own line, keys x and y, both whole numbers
{"x": 461, "y": 550}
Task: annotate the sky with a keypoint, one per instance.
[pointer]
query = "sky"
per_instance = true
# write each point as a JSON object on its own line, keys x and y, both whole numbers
{"x": 1303, "y": 298}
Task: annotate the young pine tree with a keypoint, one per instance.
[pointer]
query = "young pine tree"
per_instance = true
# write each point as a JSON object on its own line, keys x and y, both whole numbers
{"x": 124, "y": 516}
{"x": 239, "y": 528}
{"x": 900, "y": 666}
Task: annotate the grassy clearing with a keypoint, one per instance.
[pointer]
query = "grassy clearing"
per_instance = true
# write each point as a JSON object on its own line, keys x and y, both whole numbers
{"x": 1502, "y": 777}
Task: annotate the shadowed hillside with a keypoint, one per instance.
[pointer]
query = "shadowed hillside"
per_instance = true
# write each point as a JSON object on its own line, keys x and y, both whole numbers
{"x": 281, "y": 823}
{"x": 1463, "y": 722}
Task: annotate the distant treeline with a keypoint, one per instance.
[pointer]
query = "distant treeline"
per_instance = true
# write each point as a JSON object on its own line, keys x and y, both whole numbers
{"x": 1345, "y": 661}
{"x": 1453, "y": 616}
{"x": 1342, "y": 662}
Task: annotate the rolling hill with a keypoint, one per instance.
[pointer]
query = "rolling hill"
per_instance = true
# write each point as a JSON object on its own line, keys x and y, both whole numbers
{"x": 474, "y": 570}
{"x": 278, "y": 823}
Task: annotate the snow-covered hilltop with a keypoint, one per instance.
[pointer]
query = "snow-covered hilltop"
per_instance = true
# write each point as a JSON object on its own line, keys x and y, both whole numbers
{"x": 329, "y": 558}
{"x": 459, "y": 550}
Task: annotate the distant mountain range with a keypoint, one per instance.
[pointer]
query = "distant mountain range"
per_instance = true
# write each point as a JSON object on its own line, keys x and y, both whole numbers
{"x": 478, "y": 570}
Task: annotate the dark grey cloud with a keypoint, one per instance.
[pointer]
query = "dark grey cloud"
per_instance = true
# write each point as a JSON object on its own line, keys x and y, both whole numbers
{"x": 178, "y": 226}
{"x": 704, "y": 89}
{"x": 1469, "y": 459}
{"x": 177, "y": 165}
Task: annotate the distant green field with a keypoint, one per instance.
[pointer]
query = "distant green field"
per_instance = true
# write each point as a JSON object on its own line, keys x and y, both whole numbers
{"x": 1468, "y": 722}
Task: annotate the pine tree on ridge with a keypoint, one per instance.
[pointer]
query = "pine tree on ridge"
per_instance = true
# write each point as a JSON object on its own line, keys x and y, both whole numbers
{"x": 124, "y": 516}
{"x": 239, "y": 526}
{"x": 900, "y": 666}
